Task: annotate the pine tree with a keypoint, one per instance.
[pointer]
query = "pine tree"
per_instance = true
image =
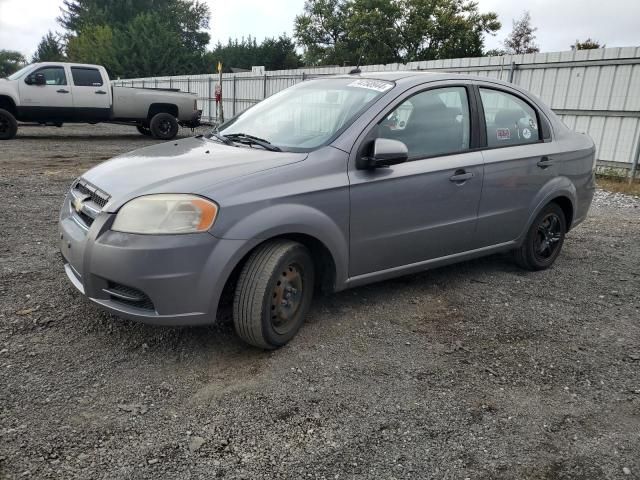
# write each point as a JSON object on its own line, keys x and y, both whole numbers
{"x": 522, "y": 38}
{"x": 50, "y": 49}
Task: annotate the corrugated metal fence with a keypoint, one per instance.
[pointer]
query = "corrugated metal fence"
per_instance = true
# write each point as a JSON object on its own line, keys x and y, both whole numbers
{"x": 594, "y": 91}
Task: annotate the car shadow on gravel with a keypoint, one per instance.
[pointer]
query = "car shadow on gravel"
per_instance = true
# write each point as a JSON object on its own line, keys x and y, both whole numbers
{"x": 326, "y": 309}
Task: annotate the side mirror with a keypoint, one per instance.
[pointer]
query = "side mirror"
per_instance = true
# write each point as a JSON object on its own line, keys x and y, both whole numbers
{"x": 385, "y": 152}
{"x": 40, "y": 79}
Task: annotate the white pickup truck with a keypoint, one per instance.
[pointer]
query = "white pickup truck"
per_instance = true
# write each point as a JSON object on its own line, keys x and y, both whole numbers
{"x": 56, "y": 93}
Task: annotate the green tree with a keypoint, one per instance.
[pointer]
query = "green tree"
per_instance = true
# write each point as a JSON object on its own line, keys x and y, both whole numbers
{"x": 137, "y": 38}
{"x": 522, "y": 38}
{"x": 50, "y": 49}
{"x": 278, "y": 54}
{"x": 273, "y": 53}
{"x": 10, "y": 62}
{"x": 96, "y": 45}
{"x": 588, "y": 44}
{"x": 188, "y": 18}
{"x": 384, "y": 31}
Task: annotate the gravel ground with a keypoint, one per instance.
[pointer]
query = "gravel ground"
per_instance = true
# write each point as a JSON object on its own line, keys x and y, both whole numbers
{"x": 474, "y": 371}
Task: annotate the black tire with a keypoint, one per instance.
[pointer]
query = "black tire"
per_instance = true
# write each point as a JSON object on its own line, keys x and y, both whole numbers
{"x": 544, "y": 239}
{"x": 8, "y": 125}
{"x": 143, "y": 130}
{"x": 164, "y": 126}
{"x": 268, "y": 309}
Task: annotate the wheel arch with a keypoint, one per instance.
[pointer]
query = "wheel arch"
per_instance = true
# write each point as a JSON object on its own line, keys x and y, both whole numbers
{"x": 7, "y": 103}
{"x": 565, "y": 203}
{"x": 560, "y": 190}
{"x": 323, "y": 261}
{"x": 156, "y": 108}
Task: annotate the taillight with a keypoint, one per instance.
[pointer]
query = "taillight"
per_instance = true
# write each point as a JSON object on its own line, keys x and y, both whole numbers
{"x": 195, "y": 104}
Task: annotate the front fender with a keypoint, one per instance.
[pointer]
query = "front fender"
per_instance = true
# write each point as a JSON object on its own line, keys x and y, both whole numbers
{"x": 554, "y": 188}
{"x": 288, "y": 219}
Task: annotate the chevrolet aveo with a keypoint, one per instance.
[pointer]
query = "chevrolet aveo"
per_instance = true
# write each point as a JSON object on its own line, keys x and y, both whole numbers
{"x": 330, "y": 184}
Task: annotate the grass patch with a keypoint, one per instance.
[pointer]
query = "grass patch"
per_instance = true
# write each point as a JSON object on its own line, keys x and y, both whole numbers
{"x": 619, "y": 185}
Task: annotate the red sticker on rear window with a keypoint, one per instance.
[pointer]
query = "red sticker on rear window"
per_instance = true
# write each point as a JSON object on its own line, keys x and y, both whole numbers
{"x": 503, "y": 134}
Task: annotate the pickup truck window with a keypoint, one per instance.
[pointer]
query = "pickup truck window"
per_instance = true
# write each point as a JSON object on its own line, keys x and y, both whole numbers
{"x": 52, "y": 75}
{"x": 86, "y": 77}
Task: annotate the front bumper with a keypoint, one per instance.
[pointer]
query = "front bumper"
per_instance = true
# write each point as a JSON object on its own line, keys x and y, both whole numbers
{"x": 158, "y": 279}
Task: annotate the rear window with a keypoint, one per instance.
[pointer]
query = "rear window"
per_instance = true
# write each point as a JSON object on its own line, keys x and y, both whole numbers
{"x": 86, "y": 77}
{"x": 509, "y": 120}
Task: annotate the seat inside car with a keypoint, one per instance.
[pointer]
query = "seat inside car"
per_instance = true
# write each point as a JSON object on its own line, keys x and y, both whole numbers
{"x": 432, "y": 128}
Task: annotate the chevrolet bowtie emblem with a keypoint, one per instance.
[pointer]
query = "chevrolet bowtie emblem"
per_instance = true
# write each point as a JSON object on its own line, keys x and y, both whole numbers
{"x": 78, "y": 203}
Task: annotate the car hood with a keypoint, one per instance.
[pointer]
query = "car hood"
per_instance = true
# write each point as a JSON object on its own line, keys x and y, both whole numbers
{"x": 192, "y": 165}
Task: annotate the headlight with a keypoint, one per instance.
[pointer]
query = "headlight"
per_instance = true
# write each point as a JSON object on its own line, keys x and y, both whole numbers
{"x": 166, "y": 214}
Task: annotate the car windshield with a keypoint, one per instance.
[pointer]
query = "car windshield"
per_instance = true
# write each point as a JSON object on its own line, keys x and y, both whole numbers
{"x": 19, "y": 73}
{"x": 308, "y": 115}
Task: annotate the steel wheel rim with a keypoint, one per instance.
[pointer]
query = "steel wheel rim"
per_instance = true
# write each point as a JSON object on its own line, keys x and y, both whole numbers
{"x": 548, "y": 236}
{"x": 286, "y": 298}
{"x": 165, "y": 126}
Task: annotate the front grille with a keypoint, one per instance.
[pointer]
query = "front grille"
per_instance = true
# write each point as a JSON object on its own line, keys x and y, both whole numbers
{"x": 92, "y": 201}
{"x": 96, "y": 195}
{"x": 129, "y": 296}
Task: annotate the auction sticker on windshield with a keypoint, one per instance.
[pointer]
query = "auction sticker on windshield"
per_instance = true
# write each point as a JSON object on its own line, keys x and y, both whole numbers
{"x": 377, "y": 85}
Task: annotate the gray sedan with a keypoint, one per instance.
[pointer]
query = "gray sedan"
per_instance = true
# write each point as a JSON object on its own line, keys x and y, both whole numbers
{"x": 330, "y": 184}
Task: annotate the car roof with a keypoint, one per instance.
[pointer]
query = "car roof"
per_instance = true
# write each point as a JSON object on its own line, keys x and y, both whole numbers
{"x": 415, "y": 77}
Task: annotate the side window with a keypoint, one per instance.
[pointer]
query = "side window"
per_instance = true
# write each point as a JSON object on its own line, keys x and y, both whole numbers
{"x": 430, "y": 123}
{"x": 52, "y": 75}
{"x": 86, "y": 77}
{"x": 510, "y": 120}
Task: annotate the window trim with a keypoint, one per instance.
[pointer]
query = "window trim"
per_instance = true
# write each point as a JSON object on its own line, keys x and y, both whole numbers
{"x": 44, "y": 67}
{"x": 482, "y": 123}
{"x": 72, "y": 68}
{"x": 474, "y": 137}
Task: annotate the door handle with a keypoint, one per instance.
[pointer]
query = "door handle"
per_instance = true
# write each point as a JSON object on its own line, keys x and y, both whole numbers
{"x": 100, "y": 92}
{"x": 545, "y": 162}
{"x": 62, "y": 90}
{"x": 461, "y": 176}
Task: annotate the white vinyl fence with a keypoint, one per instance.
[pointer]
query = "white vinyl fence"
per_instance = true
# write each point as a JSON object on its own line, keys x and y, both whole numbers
{"x": 594, "y": 91}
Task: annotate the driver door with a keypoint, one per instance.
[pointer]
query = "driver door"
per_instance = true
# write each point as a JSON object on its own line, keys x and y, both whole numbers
{"x": 50, "y": 101}
{"x": 427, "y": 207}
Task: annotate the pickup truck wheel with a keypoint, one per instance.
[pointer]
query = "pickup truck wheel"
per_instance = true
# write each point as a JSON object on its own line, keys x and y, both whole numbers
{"x": 273, "y": 294}
{"x": 143, "y": 130}
{"x": 164, "y": 126}
{"x": 8, "y": 125}
{"x": 544, "y": 240}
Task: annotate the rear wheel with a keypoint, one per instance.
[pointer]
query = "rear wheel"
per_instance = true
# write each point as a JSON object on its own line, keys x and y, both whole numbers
{"x": 544, "y": 240}
{"x": 164, "y": 126}
{"x": 143, "y": 130}
{"x": 8, "y": 125}
{"x": 273, "y": 294}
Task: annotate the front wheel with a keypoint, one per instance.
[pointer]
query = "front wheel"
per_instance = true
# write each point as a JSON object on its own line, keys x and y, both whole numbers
{"x": 164, "y": 126}
{"x": 544, "y": 239}
{"x": 273, "y": 294}
{"x": 8, "y": 125}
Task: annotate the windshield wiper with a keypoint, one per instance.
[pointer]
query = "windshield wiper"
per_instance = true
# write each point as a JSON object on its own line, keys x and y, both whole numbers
{"x": 220, "y": 138}
{"x": 251, "y": 140}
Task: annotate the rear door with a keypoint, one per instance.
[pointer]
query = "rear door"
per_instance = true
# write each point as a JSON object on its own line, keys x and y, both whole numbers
{"x": 518, "y": 160}
{"x": 427, "y": 207}
{"x": 91, "y": 99}
{"x": 49, "y": 102}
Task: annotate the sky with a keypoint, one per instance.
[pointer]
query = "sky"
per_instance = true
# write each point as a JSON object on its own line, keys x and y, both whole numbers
{"x": 559, "y": 22}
